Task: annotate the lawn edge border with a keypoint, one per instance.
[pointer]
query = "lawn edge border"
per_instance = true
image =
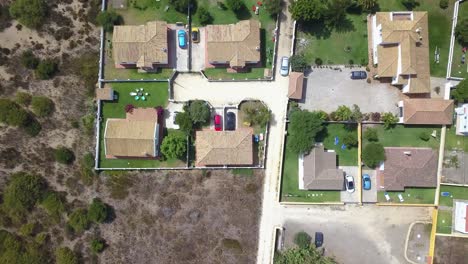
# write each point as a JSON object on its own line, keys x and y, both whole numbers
{"x": 307, "y": 203}
{"x": 406, "y": 205}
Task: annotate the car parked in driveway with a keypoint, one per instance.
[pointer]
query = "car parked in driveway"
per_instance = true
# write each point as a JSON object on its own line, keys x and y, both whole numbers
{"x": 217, "y": 123}
{"x": 182, "y": 38}
{"x": 230, "y": 121}
{"x": 195, "y": 35}
{"x": 358, "y": 75}
{"x": 349, "y": 180}
{"x": 284, "y": 70}
{"x": 318, "y": 239}
{"x": 366, "y": 182}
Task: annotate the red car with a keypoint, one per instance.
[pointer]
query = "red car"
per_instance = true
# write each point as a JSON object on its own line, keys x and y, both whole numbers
{"x": 217, "y": 123}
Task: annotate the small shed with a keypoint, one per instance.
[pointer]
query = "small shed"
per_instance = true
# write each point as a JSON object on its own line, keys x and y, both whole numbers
{"x": 296, "y": 83}
{"x": 105, "y": 94}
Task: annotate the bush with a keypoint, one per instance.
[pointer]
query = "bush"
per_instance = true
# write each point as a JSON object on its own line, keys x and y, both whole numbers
{"x": 79, "y": 221}
{"x": 41, "y": 238}
{"x": 107, "y": 19}
{"x": 30, "y": 13}
{"x": 343, "y": 113}
{"x": 98, "y": 211}
{"x": 118, "y": 183}
{"x": 298, "y": 63}
{"x": 303, "y": 128}
{"x": 42, "y": 106}
{"x": 27, "y": 229}
{"x": 12, "y": 114}
{"x": 54, "y": 205}
{"x": 23, "y": 98}
{"x": 32, "y": 127}
{"x": 350, "y": 139}
{"x": 389, "y": 120}
{"x": 461, "y": 32}
{"x": 318, "y": 61}
{"x": 235, "y": 5}
{"x": 46, "y": 69}
{"x": 302, "y": 239}
{"x": 375, "y": 116}
{"x": 460, "y": 93}
{"x": 199, "y": 112}
{"x": 410, "y": 4}
{"x": 180, "y": 5}
{"x": 65, "y": 255}
{"x": 88, "y": 124}
{"x": 373, "y": 154}
{"x": 28, "y": 60}
{"x": 443, "y": 4}
{"x": 322, "y": 114}
{"x": 87, "y": 67}
{"x": 424, "y": 136}
{"x": 204, "y": 16}
{"x": 273, "y": 7}
{"x": 174, "y": 146}
{"x": 371, "y": 134}
{"x": 97, "y": 245}
{"x": 256, "y": 113}
{"x": 64, "y": 155}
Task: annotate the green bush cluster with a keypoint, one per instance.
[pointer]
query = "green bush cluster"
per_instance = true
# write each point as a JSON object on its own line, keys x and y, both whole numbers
{"x": 23, "y": 98}
{"x": 54, "y": 204}
{"x": 303, "y": 127}
{"x": 424, "y": 136}
{"x": 14, "y": 249}
{"x": 65, "y": 255}
{"x": 64, "y": 155}
{"x": 302, "y": 239}
{"x": 107, "y": 19}
{"x": 371, "y": 134}
{"x": 97, "y": 245}
{"x": 29, "y": 60}
{"x": 174, "y": 146}
{"x": 14, "y": 115}
{"x": 373, "y": 154}
{"x": 30, "y": 13}
{"x": 46, "y": 69}
{"x": 98, "y": 211}
{"x": 42, "y": 106}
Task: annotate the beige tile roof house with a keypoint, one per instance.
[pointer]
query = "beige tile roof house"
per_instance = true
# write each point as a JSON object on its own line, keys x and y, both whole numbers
{"x": 131, "y": 138}
{"x": 234, "y": 44}
{"x": 319, "y": 171}
{"x": 400, "y": 49}
{"x": 218, "y": 148}
{"x": 142, "y": 45}
{"x": 426, "y": 111}
{"x": 296, "y": 83}
{"x": 408, "y": 167}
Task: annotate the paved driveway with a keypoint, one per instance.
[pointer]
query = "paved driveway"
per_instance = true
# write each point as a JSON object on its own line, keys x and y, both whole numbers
{"x": 198, "y": 52}
{"x": 347, "y": 197}
{"x": 326, "y": 89}
{"x": 180, "y": 57}
{"x": 370, "y": 196}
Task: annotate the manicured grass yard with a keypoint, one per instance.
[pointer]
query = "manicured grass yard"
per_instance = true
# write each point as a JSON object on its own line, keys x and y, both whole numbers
{"x": 454, "y": 142}
{"x": 290, "y": 184}
{"x": 221, "y": 73}
{"x": 346, "y": 157}
{"x": 406, "y": 136}
{"x": 458, "y": 69}
{"x": 456, "y": 192}
{"x": 444, "y": 222}
{"x": 410, "y": 195}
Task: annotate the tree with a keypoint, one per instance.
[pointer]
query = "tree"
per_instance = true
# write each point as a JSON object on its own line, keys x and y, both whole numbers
{"x": 307, "y": 10}
{"x": 303, "y": 127}
{"x": 301, "y": 256}
{"x": 235, "y": 5}
{"x": 30, "y": 13}
{"x": 185, "y": 122}
{"x": 98, "y": 211}
{"x": 180, "y": 5}
{"x": 356, "y": 115}
{"x": 107, "y": 19}
{"x": 42, "y": 106}
{"x": 424, "y": 136}
{"x": 256, "y": 113}
{"x": 65, "y": 255}
{"x": 350, "y": 139}
{"x": 97, "y": 245}
{"x": 410, "y": 4}
{"x": 460, "y": 93}
{"x": 78, "y": 220}
{"x": 199, "y": 112}
{"x": 389, "y": 120}
{"x": 322, "y": 114}
{"x": 373, "y": 154}
{"x": 23, "y": 98}
{"x": 204, "y": 16}
{"x": 343, "y": 113}
{"x": 64, "y": 155}
{"x": 29, "y": 60}
{"x": 273, "y": 7}
{"x": 461, "y": 31}
{"x": 299, "y": 63}
{"x": 368, "y": 5}
{"x": 318, "y": 61}
{"x": 302, "y": 239}
{"x": 174, "y": 146}
{"x": 336, "y": 12}
{"x": 87, "y": 67}
{"x": 54, "y": 205}
{"x": 443, "y": 4}
{"x": 46, "y": 69}
{"x": 371, "y": 134}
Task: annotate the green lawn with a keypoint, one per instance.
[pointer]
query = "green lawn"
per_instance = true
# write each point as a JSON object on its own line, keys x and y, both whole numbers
{"x": 458, "y": 69}
{"x": 444, "y": 222}
{"x": 410, "y": 195}
{"x": 290, "y": 184}
{"x": 221, "y": 73}
{"x": 456, "y": 192}
{"x": 454, "y": 142}
{"x": 406, "y": 136}
{"x": 346, "y": 157}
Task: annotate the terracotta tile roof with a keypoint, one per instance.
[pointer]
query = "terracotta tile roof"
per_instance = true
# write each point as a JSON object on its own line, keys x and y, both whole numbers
{"x": 236, "y": 44}
{"x": 128, "y": 138}
{"x": 216, "y": 148}
{"x": 409, "y": 167}
{"x": 428, "y": 111}
{"x": 320, "y": 171}
{"x": 404, "y": 49}
{"x": 296, "y": 83}
{"x": 143, "y": 45}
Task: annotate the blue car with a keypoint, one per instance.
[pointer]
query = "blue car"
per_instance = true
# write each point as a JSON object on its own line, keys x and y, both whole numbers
{"x": 182, "y": 38}
{"x": 366, "y": 183}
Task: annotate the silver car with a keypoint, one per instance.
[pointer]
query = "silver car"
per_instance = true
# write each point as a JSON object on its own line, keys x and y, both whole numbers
{"x": 284, "y": 70}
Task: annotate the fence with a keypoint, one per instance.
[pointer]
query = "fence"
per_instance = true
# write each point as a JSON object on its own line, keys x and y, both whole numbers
{"x": 452, "y": 42}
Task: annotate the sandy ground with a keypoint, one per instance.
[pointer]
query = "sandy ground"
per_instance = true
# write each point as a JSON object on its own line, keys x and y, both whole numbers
{"x": 451, "y": 250}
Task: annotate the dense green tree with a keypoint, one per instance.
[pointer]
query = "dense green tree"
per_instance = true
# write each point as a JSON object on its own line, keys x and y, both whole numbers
{"x": 204, "y": 16}
{"x": 370, "y": 134}
{"x": 97, "y": 245}
{"x": 64, "y": 155}
{"x": 299, "y": 63}
{"x": 461, "y": 31}
{"x": 46, "y": 69}
{"x": 303, "y": 127}
{"x": 443, "y": 4}
{"x": 78, "y": 220}
{"x": 54, "y": 205}
{"x": 343, "y": 113}
{"x": 174, "y": 146}
{"x": 185, "y": 122}
{"x": 368, "y": 5}
{"x": 199, "y": 112}
{"x": 98, "y": 211}
{"x": 389, "y": 120}
{"x": 356, "y": 114}
{"x": 350, "y": 139}
{"x": 181, "y": 5}
{"x": 65, "y": 255}
{"x": 235, "y": 5}
{"x": 410, "y": 4}
{"x": 256, "y": 113}
{"x": 308, "y": 255}
{"x": 107, "y": 19}
{"x": 30, "y": 13}
{"x": 302, "y": 239}
{"x": 273, "y": 7}
{"x": 42, "y": 106}
{"x": 460, "y": 93}
{"x": 336, "y": 12}
{"x": 13, "y": 249}
{"x": 23, "y": 98}
{"x": 29, "y": 60}
{"x": 308, "y": 10}
{"x": 373, "y": 154}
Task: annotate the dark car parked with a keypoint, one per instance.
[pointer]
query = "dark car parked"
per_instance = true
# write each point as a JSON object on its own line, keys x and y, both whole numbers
{"x": 356, "y": 75}
{"x": 230, "y": 121}
{"x": 318, "y": 239}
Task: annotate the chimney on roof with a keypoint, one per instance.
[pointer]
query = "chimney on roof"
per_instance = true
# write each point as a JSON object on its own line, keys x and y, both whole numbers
{"x": 257, "y": 48}
{"x": 407, "y": 153}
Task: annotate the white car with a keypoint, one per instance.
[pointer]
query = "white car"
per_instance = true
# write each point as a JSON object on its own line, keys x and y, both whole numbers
{"x": 349, "y": 180}
{"x": 284, "y": 70}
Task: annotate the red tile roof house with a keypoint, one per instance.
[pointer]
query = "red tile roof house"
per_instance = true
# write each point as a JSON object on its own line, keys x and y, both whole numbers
{"x": 407, "y": 167}
{"x": 426, "y": 111}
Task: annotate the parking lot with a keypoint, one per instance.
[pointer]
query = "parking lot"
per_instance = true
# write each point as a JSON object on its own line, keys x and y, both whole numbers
{"x": 326, "y": 89}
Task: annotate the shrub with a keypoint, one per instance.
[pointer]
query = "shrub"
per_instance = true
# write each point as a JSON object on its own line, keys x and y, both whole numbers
{"x": 299, "y": 63}
{"x": 424, "y": 136}
{"x": 118, "y": 183}
{"x": 27, "y": 229}
{"x": 46, "y": 69}
{"x": 322, "y": 114}
{"x": 350, "y": 139}
{"x": 318, "y": 61}
{"x": 174, "y": 146}
{"x": 54, "y": 205}
{"x": 41, "y": 238}
{"x": 98, "y": 211}
{"x": 356, "y": 114}
{"x": 302, "y": 239}
{"x": 65, "y": 255}
{"x": 42, "y": 106}
{"x": 371, "y": 134}
{"x": 129, "y": 108}
{"x": 375, "y": 116}
{"x": 199, "y": 112}
{"x": 23, "y": 98}
{"x": 273, "y": 7}
{"x": 410, "y": 4}
{"x": 87, "y": 67}
{"x": 88, "y": 124}
{"x": 30, "y": 13}
{"x": 28, "y": 60}
{"x": 32, "y": 127}
{"x": 343, "y": 113}
{"x": 443, "y": 4}
{"x": 64, "y": 155}
{"x": 97, "y": 245}
{"x": 79, "y": 221}
{"x": 204, "y": 16}
{"x": 107, "y": 19}
{"x": 373, "y": 154}
{"x": 12, "y": 114}
{"x": 256, "y": 113}
{"x": 460, "y": 93}
{"x": 235, "y": 5}
{"x": 180, "y": 5}
{"x": 389, "y": 120}
{"x": 461, "y": 32}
